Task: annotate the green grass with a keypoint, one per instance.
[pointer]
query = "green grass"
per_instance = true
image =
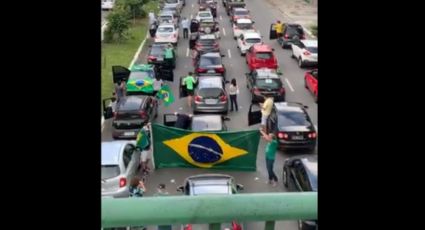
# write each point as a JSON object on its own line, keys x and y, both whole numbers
{"x": 123, "y": 53}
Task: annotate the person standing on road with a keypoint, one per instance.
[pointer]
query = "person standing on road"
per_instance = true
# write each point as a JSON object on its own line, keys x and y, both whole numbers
{"x": 266, "y": 109}
{"x": 137, "y": 187}
{"x": 233, "y": 92}
{"x": 185, "y": 25}
{"x": 157, "y": 84}
{"x": 161, "y": 191}
{"x": 279, "y": 28}
{"x": 189, "y": 82}
{"x": 271, "y": 149}
{"x": 169, "y": 56}
{"x": 120, "y": 90}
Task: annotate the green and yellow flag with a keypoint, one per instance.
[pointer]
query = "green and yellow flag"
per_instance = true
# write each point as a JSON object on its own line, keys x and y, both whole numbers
{"x": 142, "y": 140}
{"x": 166, "y": 95}
{"x": 173, "y": 148}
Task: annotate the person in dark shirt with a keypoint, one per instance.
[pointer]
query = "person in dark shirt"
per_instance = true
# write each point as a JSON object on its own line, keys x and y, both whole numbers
{"x": 183, "y": 120}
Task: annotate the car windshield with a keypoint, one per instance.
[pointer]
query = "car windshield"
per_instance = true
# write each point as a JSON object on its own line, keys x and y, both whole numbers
{"x": 129, "y": 104}
{"x": 287, "y": 118}
{"x": 141, "y": 75}
{"x": 165, "y": 29}
{"x": 264, "y": 55}
{"x": 166, "y": 18}
{"x": 210, "y": 92}
{"x": 157, "y": 50}
{"x": 241, "y": 12}
{"x": 204, "y": 15}
{"x": 292, "y": 30}
{"x": 171, "y": 1}
{"x": 206, "y": 24}
{"x": 207, "y": 61}
{"x": 269, "y": 83}
{"x": 312, "y": 49}
{"x": 109, "y": 171}
{"x": 245, "y": 26}
{"x": 203, "y": 124}
{"x": 253, "y": 40}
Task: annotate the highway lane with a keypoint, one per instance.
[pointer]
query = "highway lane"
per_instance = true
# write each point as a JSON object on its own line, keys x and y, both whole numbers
{"x": 236, "y": 67}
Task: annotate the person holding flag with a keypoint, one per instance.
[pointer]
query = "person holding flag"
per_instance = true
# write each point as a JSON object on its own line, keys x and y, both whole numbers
{"x": 143, "y": 145}
{"x": 166, "y": 95}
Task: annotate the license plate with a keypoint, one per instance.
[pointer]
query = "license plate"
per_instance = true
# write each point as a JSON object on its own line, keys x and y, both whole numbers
{"x": 211, "y": 71}
{"x": 160, "y": 59}
{"x": 129, "y": 134}
{"x": 210, "y": 101}
{"x": 297, "y": 137}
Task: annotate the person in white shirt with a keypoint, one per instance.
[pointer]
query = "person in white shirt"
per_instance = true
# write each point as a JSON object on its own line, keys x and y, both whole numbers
{"x": 185, "y": 25}
{"x": 233, "y": 92}
{"x": 157, "y": 84}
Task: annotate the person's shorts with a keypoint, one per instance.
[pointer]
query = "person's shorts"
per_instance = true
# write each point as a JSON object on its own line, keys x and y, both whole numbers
{"x": 189, "y": 92}
{"x": 264, "y": 120}
{"x": 279, "y": 34}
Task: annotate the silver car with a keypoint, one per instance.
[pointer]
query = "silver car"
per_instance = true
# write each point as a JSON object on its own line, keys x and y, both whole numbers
{"x": 210, "y": 95}
{"x": 119, "y": 164}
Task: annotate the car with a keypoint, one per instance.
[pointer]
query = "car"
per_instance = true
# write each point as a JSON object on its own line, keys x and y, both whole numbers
{"x": 208, "y": 26}
{"x": 291, "y": 32}
{"x": 230, "y": 4}
{"x": 197, "y": 122}
{"x": 130, "y": 114}
{"x": 210, "y": 184}
{"x": 208, "y": 5}
{"x": 204, "y": 14}
{"x": 120, "y": 162}
{"x": 172, "y": 9}
{"x": 207, "y": 43}
{"x": 248, "y": 39}
{"x": 156, "y": 54}
{"x": 238, "y": 13}
{"x": 265, "y": 82}
{"x": 178, "y": 4}
{"x": 291, "y": 124}
{"x": 210, "y": 63}
{"x": 305, "y": 51}
{"x": 108, "y": 4}
{"x": 311, "y": 82}
{"x": 242, "y": 25}
{"x": 167, "y": 33}
{"x": 261, "y": 56}
{"x": 300, "y": 175}
{"x": 210, "y": 95}
{"x": 167, "y": 17}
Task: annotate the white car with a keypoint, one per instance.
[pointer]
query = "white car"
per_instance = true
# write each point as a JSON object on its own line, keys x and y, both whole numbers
{"x": 242, "y": 25}
{"x": 246, "y": 40}
{"x": 174, "y": 3}
{"x": 167, "y": 33}
{"x": 206, "y": 14}
{"x": 168, "y": 17}
{"x": 305, "y": 51}
{"x": 108, "y": 4}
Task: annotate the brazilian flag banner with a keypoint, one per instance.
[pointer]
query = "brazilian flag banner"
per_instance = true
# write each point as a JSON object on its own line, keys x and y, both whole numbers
{"x": 166, "y": 95}
{"x": 179, "y": 148}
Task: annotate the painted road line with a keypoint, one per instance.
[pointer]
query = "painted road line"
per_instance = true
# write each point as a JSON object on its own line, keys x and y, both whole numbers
{"x": 187, "y": 52}
{"x": 221, "y": 18}
{"x": 228, "y": 51}
{"x": 224, "y": 32}
{"x": 191, "y": 16}
{"x": 193, "y": 5}
{"x": 289, "y": 84}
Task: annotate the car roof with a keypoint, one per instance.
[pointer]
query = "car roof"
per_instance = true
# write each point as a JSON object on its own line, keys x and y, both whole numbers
{"x": 310, "y": 164}
{"x": 212, "y": 122}
{"x": 211, "y": 54}
{"x": 243, "y": 20}
{"x": 251, "y": 34}
{"x": 131, "y": 103}
{"x": 240, "y": 9}
{"x": 266, "y": 73}
{"x": 111, "y": 151}
{"x": 204, "y": 11}
{"x": 207, "y": 36}
{"x": 166, "y": 13}
{"x": 207, "y": 20}
{"x": 262, "y": 48}
{"x": 288, "y": 107}
{"x": 166, "y": 25}
{"x": 309, "y": 43}
{"x": 210, "y": 82}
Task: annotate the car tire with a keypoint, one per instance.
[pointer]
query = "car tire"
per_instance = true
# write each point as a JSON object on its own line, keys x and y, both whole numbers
{"x": 300, "y": 62}
{"x": 285, "y": 178}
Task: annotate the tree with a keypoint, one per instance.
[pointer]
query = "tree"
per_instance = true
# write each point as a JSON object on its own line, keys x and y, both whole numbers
{"x": 118, "y": 25}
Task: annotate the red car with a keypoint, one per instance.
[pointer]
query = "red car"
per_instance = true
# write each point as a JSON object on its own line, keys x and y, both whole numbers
{"x": 261, "y": 56}
{"x": 311, "y": 80}
{"x": 238, "y": 13}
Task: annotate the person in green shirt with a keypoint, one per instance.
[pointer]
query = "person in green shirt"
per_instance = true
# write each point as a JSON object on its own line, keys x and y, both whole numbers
{"x": 169, "y": 56}
{"x": 189, "y": 82}
{"x": 271, "y": 149}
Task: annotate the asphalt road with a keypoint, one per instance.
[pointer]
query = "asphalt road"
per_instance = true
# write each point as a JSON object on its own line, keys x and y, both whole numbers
{"x": 263, "y": 14}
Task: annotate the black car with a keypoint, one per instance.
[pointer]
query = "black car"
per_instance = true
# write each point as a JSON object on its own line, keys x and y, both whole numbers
{"x": 265, "y": 82}
{"x": 207, "y": 43}
{"x": 300, "y": 175}
{"x": 156, "y": 54}
{"x": 207, "y": 122}
{"x": 210, "y": 63}
{"x": 291, "y": 32}
{"x": 290, "y": 122}
{"x": 130, "y": 114}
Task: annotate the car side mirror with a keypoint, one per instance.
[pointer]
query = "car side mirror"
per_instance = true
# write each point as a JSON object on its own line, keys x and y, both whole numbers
{"x": 239, "y": 187}
{"x": 180, "y": 188}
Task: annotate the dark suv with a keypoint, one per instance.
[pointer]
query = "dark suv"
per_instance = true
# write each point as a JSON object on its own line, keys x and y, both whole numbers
{"x": 130, "y": 114}
{"x": 265, "y": 82}
{"x": 291, "y": 32}
{"x": 290, "y": 122}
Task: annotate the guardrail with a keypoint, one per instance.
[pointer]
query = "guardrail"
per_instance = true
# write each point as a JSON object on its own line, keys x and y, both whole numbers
{"x": 209, "y": 209}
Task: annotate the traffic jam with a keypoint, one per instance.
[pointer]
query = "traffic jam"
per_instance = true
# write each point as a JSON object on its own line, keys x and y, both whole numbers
{"x": 212, "y": 73}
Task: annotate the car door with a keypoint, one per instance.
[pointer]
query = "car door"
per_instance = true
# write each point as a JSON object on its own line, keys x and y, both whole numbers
{"x": 301, "y": 178}
{"x": 129, "y": 161}
{"x": 240, "y": 41}
{"x": 249, "y": 54}
{"x": 135, "y": 160}
{"x": 108, "y": 110}
{"x": 296, "y": 48}
{"x": 313, "y": 81}
{"x": 120, "y": 73}
{"x": 272, "y": 33}
{"x": 254, "y": 114}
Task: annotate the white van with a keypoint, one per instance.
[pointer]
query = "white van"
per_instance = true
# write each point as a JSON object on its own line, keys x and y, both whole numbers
{"x": 107, "y": 4}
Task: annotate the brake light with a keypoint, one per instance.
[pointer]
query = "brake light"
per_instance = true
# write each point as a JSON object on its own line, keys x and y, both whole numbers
{"x": 286, "y": 36}
{"x": 282, "y": 90}
{"x": 151, "y": 58}
{"x": 223, "y": 98}
{"x": 282, "y": 135}
{"x": 256, "y": 91}
{"x": 201, "y": 70}
{"x": 312, "y": 135}
{"x": 306, "y": 53}
{"x": 219, "y": 70}
{"x": 188, "y": 227}
{"x": 198, "y": 98}
{"x": 123, "y": 182}
{"x": 143, "y": 114}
